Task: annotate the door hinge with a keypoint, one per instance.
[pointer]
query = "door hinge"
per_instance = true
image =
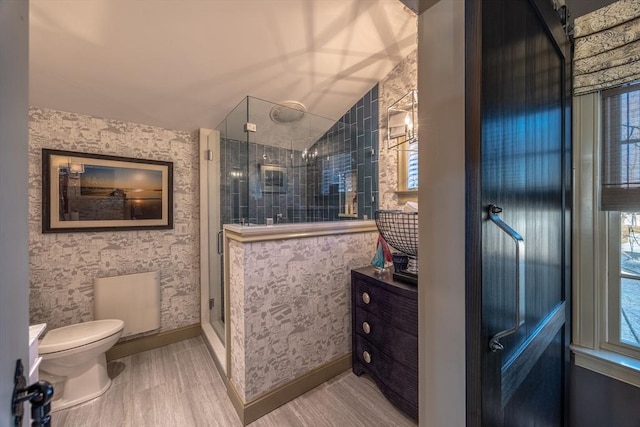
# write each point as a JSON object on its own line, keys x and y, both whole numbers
{"x": 208, "y": 154}
{"x": 211, "y": 303}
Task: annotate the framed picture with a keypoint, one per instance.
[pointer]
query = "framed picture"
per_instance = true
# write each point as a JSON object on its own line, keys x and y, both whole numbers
{"x": 94, "y": 192}
{"x": 274, "y": 179}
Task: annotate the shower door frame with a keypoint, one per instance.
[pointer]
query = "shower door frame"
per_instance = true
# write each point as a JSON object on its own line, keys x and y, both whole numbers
{"x": 210, "y": 190}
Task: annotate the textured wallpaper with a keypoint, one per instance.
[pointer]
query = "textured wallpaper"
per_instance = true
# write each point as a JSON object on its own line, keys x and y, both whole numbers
{"x": 63, "y": 265}
{"x": 398, "y": 82}
{"x": 237, "y": 309}
{"x": 291, "y": 306}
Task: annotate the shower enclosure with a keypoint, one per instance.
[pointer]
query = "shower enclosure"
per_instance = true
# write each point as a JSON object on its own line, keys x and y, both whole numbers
{"x": 278, "y": 164}
{"x": 281, "y": 163}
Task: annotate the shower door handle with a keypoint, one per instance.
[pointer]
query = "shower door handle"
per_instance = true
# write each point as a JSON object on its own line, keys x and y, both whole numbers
{"x": 220, "y": 247}
{"x": 494, "y": 343}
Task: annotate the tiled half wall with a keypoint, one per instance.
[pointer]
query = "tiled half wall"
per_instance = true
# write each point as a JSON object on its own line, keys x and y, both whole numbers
{"x": 290, "y": 305}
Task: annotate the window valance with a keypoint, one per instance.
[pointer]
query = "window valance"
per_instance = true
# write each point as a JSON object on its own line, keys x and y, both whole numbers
{"x": 607, "y": 47}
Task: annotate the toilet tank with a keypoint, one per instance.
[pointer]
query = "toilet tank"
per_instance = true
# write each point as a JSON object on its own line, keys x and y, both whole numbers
{"x": 133, "y": 298}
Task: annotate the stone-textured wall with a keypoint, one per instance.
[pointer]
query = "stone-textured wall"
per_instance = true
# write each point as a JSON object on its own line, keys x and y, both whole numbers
{"x": 398, "y": 82}
{"x": 237, "y": 307}
{"x": 63, "y": 265}
{"x": 291, "y": 306}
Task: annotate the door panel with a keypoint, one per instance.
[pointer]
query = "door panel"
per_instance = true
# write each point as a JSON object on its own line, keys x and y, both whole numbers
{"x": 14, "y": 204}
{"x": 517, "y": 160}
{"x": 540, "y": 396}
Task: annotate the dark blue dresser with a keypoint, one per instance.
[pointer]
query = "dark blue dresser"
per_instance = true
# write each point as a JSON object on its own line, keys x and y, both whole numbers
{"x": 385, "y": 335}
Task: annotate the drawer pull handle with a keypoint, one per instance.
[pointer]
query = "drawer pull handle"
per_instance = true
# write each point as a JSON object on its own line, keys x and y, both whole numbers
{"x": 366, "y": 327}
{"x": 366, "y": 356}
{"x": 366, "y": 298}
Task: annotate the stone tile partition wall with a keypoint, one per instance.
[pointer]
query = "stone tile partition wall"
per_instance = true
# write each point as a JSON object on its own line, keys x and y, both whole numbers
{"x": 290, "y": 306}
{"x": 395, "y": 85}
{"x": 63, "y": 265}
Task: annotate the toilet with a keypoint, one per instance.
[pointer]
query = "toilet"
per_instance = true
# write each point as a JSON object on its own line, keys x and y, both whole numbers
{"x": 74, "y": 360}
{"x": 73, "y": 357}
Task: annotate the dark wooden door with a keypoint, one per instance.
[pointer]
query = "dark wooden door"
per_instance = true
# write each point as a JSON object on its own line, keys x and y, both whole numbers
{"x": 518, "y": 230}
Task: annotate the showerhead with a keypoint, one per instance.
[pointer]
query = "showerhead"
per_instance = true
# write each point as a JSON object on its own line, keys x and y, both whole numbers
{"x": 287, "y": 112}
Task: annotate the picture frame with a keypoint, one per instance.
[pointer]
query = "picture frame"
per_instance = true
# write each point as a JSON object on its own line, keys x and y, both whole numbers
{"x": 274, "y": 179}
{"x": 96, "y": 192}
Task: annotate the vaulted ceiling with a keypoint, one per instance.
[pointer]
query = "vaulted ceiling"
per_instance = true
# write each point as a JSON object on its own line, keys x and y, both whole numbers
{"x": 185, "y": 64}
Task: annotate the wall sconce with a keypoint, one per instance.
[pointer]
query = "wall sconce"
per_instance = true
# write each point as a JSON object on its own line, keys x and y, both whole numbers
{"x": 408, "y": 123}
{"x": 309, "y": 156}
{"x": 401, "y": 121}
{"x": 236, "y": 174}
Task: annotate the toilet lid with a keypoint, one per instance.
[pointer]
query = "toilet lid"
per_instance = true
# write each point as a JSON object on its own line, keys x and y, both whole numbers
{"x": 77, "y": 335}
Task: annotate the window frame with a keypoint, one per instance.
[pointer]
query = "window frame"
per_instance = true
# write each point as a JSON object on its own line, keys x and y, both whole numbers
{"x": 611, "y": 338}
{"x": 404, "y": 193}
{"x": 591, "y": 343}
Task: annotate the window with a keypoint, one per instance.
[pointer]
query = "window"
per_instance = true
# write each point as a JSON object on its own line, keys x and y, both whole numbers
{"x": 620, "y": 182}
{"x": 630, "y": 279}
{"x": 606, "y": 238}
{"x": 412, "y": 166}
{"x": 623, "y": 283}
{"x": 620, "y": 178}
{"x": 408, "y": 173}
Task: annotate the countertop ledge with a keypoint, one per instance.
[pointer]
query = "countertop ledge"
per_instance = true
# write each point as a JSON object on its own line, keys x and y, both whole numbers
{"x": 291, "y": 231}
{"x": 35, "y": 331}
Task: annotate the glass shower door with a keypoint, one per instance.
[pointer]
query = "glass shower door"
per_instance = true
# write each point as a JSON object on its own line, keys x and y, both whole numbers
{"x": 212, "y": 246}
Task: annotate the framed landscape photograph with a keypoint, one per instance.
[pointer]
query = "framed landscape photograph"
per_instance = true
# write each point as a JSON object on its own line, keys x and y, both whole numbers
{"x": 95, "y": 192}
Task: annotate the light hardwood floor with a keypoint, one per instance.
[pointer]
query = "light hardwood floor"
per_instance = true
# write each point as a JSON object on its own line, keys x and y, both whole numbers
{"x": 179, "y": 386}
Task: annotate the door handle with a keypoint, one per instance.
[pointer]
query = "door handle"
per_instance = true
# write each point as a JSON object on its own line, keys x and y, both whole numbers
{"x": 39, "y": 394}
{"x": 220, "y": 248}
{"x": 494, "y": 343}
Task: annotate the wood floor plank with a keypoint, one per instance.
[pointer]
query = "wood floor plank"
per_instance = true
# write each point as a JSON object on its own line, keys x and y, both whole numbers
{"x": 368, "y": 402}
{"x": 178, "y": 386}
{"x": 209, "y": 409}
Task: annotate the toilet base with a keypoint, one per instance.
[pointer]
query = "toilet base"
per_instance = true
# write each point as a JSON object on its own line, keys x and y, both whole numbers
{"x": 72, "y": 391}
{"x": 59, "y": 404}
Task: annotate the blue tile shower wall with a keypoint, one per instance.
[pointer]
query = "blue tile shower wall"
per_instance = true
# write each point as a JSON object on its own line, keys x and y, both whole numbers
{"x": 355, "y": 133}
{"x": 244, "y": 199}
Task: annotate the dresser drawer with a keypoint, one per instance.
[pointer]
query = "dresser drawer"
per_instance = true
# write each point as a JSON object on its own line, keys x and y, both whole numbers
{"x": 396, "y": 310}
{"x": 397, "y": 377}
{"x": 398, "y": 344}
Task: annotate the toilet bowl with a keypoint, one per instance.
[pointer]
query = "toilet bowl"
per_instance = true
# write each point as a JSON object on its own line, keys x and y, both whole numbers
{"x": 74, "y": 360}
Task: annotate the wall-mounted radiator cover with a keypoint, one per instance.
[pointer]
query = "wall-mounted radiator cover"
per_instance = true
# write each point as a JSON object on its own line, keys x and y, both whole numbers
{"x": 133, "y": 298}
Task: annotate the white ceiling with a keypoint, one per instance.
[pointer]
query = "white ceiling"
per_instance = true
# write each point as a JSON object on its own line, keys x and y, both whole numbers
{"x": 185, "y": 64}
